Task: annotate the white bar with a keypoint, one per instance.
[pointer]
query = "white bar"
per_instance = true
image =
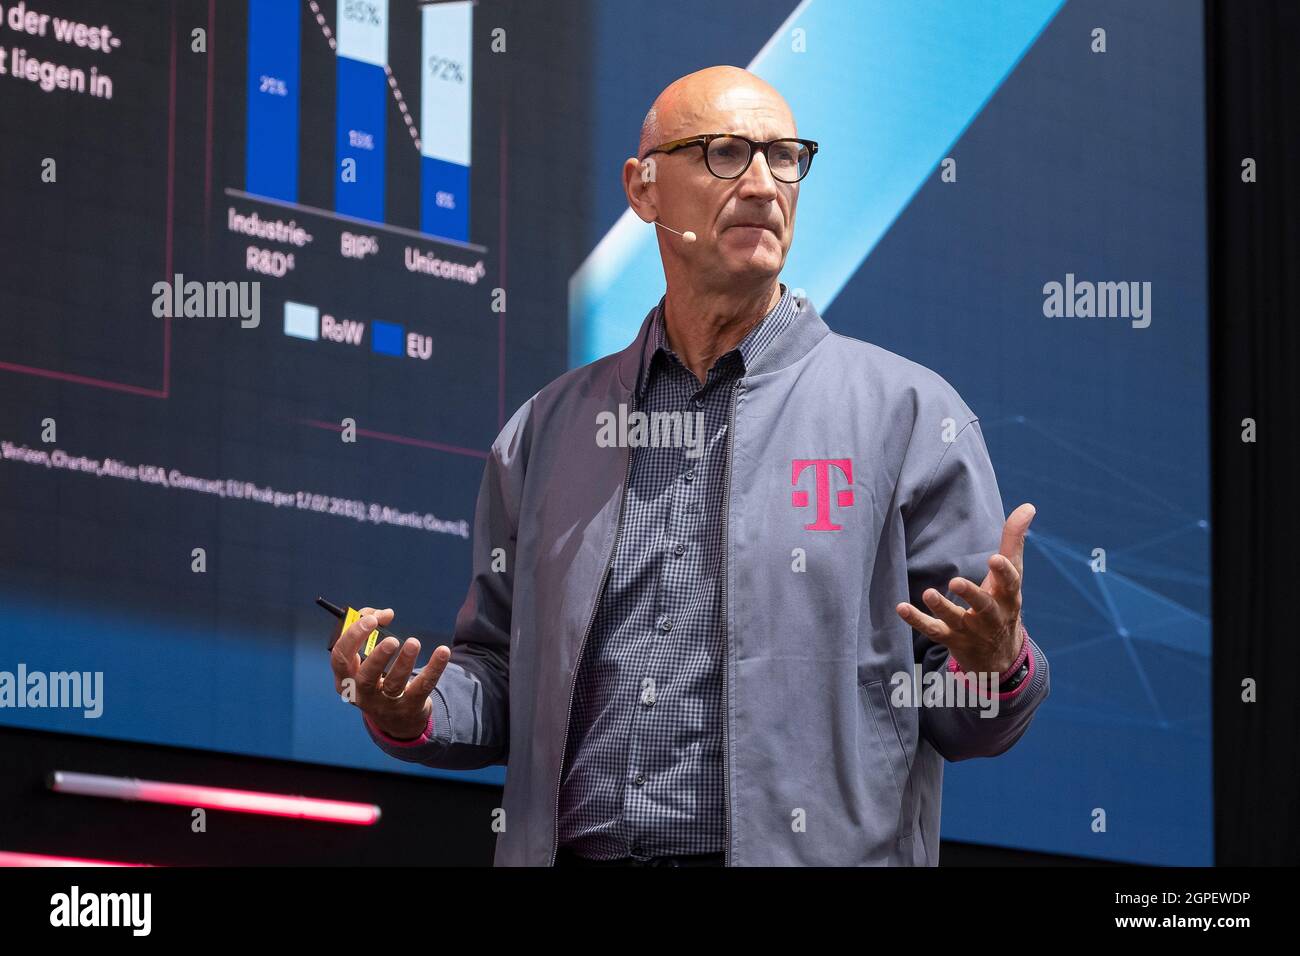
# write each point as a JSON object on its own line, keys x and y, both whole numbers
{"x": 359, "y": 37}
{"x": 446, "y": 80}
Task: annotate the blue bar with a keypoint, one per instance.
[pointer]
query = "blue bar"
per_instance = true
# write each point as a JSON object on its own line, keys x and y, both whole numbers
{"x": 386, "y": 338}
{"x": 447, "y": 214}
{"x": 446, "y": 84}
{"x": 271, "y": 139}
{"x": 362, "y": 99}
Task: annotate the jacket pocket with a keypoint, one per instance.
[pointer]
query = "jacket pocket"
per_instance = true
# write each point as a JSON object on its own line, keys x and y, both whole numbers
{"x": 880, "y": 715}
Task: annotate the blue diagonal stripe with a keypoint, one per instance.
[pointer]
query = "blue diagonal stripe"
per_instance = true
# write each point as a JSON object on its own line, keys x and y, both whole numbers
{"x": 886, "y": 88}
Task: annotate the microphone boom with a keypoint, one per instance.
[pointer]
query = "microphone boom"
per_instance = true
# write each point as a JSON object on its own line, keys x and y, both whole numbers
{"x": 688, "y": 236}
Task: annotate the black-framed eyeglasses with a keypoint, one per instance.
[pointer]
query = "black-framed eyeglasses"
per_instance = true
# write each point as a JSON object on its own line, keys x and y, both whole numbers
{"x": 728, "y": 155}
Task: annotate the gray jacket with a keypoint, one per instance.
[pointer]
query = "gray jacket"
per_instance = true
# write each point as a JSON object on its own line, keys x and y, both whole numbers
{"x": 820, "y": 767}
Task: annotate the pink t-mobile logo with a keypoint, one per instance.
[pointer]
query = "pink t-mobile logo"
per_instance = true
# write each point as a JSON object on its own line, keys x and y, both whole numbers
{"x": 843, "y": 499}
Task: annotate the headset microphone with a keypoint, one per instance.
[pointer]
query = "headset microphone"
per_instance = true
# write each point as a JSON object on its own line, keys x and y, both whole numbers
{"x": 687, "y": 235}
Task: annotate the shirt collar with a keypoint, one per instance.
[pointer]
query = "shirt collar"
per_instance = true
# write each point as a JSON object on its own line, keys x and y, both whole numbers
{"x": 753, "y": 344}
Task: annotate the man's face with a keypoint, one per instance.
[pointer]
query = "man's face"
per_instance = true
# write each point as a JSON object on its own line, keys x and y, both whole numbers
{"x": 744, "y": 226}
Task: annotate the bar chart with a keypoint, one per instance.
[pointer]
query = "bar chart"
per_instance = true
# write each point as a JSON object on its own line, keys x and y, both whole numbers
{"x": 344, "y": 141}
{"x": 368, "y": 91}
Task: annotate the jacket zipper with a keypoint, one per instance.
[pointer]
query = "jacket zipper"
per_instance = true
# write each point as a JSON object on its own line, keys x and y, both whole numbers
{"x": 591, "y": 620}
{"x": 726, "y": 630}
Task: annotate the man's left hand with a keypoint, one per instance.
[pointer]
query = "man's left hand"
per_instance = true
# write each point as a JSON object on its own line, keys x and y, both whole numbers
{"x": 986, "y": 637}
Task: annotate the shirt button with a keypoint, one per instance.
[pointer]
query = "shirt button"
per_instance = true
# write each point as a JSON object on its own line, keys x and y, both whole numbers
{"x": 680, "y": 549}
{"x": 665, "y": 624}
{"x": 689, "y": 475}
{"x": 639, "y": 779}
{"x": 699, "y": 402}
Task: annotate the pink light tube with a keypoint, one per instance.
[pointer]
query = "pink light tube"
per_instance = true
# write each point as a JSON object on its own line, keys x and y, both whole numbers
{"x": 39, "y": 859}
{"x": 214, "y": 798}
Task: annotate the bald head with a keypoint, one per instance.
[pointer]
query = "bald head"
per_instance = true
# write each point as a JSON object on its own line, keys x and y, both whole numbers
{"x": 697, "y": 102}
{"x": 740, "y": 226}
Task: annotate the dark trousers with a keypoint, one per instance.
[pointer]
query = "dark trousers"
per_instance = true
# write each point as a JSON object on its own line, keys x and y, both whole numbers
{"x": 566, "y": 857}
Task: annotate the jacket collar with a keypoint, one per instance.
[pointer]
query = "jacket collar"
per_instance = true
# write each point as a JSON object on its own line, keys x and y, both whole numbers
{"x": 805, "y": 330}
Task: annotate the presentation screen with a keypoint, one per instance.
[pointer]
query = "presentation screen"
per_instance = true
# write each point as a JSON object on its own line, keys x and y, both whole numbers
{"x": 254, "y": 351}
{"x": 1013, "y": 195}
{"x": 274, "y": 273}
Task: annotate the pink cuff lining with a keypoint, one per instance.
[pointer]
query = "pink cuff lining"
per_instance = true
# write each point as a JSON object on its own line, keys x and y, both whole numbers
{"x": 422, "y": 739}
{"x": 1026, "y": 651}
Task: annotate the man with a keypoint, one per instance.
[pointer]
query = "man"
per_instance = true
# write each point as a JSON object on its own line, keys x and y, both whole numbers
{"x": 688, "y": 651}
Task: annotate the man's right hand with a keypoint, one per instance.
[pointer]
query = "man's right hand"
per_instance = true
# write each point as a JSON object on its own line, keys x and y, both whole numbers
{"x": 396, "y": 704}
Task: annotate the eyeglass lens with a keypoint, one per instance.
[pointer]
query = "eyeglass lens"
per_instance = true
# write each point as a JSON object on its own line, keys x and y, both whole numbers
{"x": 728, "y": 156}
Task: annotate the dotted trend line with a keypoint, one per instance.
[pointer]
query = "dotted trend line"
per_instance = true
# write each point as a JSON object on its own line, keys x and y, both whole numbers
{"x": 388, "y": 71}
{"x": 325, "y": 27}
